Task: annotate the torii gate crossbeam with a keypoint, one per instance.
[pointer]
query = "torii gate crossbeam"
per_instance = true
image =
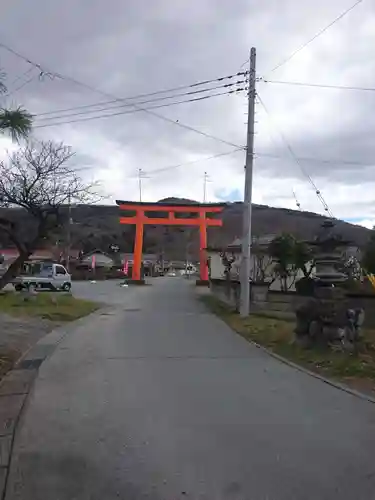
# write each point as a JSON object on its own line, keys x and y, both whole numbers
{"x": 140, "y": 219}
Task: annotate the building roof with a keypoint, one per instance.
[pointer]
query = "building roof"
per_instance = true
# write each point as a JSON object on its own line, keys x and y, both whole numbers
{"x": 96, "y": 251}
{"x": 236, "y": 244}
{"x": 150, "y": 257}
{"x": 53, "y": 253}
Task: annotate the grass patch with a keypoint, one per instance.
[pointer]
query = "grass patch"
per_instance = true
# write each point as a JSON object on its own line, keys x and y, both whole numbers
{"x": 50, "y": 306}
{"x": 276, "y": 334}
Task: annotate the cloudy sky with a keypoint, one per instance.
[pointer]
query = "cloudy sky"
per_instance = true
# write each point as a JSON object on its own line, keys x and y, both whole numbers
{"x": 127, "y": 48}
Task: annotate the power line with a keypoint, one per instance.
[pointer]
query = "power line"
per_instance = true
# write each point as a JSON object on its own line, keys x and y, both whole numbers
{"x": 21, "y": 56}
{"x": 111, "y": 96}
{"x": 142, "y": 109}
{"x": 23, "y": 84}
{"x": 317, "y": 160}
{"x": 296, "y": 200}
{"x": 257, "y": 155}
{"x": 323, "y": 30}
{"x": 22, "y": 75}
{"x": 320, "y": 85}
{"x": 173, "y": 167}
{"x": 149, "y": 94}
{"x": 29, "y": 61}
{"x": 118, "y": 106}
{"x": 297, "y": 161}
{"x": 148, "y": 110}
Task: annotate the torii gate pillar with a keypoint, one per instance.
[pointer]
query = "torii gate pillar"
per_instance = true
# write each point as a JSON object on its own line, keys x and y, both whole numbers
{"x": 142, "y": 216}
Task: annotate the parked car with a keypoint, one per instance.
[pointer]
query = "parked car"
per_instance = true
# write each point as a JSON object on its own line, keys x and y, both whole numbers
{"x": 51, "y": 277}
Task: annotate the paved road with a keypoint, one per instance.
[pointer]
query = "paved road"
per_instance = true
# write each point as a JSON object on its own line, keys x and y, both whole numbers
{"x": 160, "y": 400}
{"x": 109, "y": 292}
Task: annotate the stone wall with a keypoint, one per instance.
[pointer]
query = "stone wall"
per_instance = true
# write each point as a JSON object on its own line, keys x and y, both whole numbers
{"x": 229, "y": 295}
{"x": 284, "y": 304}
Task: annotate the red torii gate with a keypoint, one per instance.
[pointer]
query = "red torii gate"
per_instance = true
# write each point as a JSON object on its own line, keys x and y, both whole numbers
{"x": 140, "y": 219}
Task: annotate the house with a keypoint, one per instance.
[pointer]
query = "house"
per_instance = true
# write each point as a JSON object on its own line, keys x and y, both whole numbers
{"x": 261, "y": 264}
{"x": 9, "y": 255}
{"x": 150, "y": 263}
{"x": 54, "y": 254}
{"x": 233, "y": 250}
{"x": 96, "y": 258}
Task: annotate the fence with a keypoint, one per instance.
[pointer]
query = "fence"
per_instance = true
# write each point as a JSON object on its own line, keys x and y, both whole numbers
{"x": 283, "y": 304}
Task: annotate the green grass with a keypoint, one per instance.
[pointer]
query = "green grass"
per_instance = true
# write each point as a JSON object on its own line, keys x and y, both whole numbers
{"x": 276, "y": 334}
{"x": 51, "y": 306}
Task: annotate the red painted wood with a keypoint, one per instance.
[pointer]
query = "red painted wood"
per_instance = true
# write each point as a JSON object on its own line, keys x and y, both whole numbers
{"x": 165, "y": 208}
{"x": 170, "y": 222}
{"x": 140, "y": 219}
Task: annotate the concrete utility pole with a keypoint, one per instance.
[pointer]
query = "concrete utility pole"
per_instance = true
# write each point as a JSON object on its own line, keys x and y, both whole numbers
{"x": 141, "y": 176}
{"x": 246, "y": 235}
{"x": 205, "y": 178}
{"x": 140, "y": 183}
{"x": 69, "y": 232}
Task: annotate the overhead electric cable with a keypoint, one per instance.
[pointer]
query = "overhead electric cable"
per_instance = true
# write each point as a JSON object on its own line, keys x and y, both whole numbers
{"x": 321, "y": 86}
{"x": 43, "y": 125}
{"x": 329, "y": 161}
{"x": 149, "y": 94}
{"x": 42, "y": 117}
{"x": 297, "y": 161}
{"x": 111, "y": 96}
{"x": 317, "y": 35}
{"x": 173, "y": 167}
{"x": 178, "y": 123}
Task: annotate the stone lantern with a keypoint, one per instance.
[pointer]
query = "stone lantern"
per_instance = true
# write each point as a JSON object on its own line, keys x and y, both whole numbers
{"x": 324, "y": 317}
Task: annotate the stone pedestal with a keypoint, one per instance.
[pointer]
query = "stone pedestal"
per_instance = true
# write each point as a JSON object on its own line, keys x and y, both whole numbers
{"x": 202, "y": 283}
{"x": 135, "y": 282}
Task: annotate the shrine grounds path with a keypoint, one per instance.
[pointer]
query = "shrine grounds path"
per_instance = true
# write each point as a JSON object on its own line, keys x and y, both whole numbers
{"x": 158, "y": 399}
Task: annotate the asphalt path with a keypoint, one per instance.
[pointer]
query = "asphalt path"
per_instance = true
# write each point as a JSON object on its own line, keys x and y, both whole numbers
{"x": 156, "y": 398}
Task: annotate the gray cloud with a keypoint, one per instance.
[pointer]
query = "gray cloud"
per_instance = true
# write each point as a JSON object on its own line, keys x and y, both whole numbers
{"x": 126, "y": 48}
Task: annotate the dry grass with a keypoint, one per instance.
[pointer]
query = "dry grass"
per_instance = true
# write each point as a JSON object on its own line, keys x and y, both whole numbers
{"x": 356, "y": 370}
{"x": 50, "y": 306}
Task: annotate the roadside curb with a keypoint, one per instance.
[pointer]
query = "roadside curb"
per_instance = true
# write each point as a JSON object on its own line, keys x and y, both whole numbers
{"x": 17, "y": 384}
{"x": 332, "y": 383}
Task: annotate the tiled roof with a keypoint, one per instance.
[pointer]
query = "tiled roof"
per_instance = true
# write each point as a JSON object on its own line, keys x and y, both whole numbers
{"x": 259, "y": 240}
{"x": 12, "y": 253}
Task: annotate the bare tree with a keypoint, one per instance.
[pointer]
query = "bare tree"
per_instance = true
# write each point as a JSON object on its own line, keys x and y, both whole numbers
{"x": 262, "y": 270}
{"x": 39, "y": 181}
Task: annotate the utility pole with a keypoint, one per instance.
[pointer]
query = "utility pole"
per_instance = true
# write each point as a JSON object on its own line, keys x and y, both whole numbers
{"x": 206, "y": 178}
{"x": 69, "y": 232}
{"x": 246, "y": 234}
{"x": 140, "y": 183}
{"x": 141, "y": 176}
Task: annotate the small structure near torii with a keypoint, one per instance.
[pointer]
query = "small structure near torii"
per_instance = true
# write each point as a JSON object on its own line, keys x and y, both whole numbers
{"x": 176, "y": 215}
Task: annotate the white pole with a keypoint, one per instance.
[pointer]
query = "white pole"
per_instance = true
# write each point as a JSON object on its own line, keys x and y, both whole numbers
{"x": 140, "y": 183}
{"x": 205, "y": 187}
{"x": 247, "y": 235}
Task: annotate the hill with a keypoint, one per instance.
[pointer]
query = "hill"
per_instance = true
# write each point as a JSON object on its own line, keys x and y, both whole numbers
{"x": 97, "y": 226}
